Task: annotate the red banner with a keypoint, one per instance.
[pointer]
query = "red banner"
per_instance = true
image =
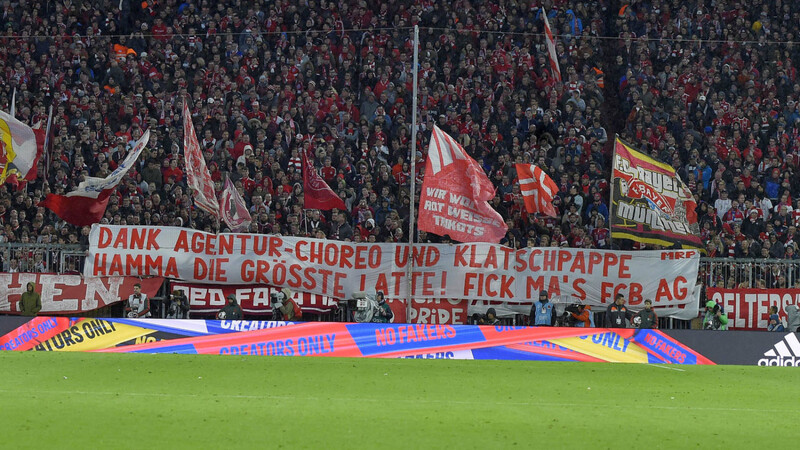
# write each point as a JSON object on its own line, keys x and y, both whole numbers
{"x": 70, "y": 294}
{"x": 432, "y": 311}
{"x": 748, "y": 309}
{"x": 254, "y": 299}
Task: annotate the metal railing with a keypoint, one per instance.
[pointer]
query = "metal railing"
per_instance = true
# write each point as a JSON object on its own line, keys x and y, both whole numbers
{"x": 749, "y": 273}
{"x": 42, "y": 258}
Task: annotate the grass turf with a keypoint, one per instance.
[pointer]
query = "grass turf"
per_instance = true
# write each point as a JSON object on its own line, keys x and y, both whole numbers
{"x": 70, "y": 400}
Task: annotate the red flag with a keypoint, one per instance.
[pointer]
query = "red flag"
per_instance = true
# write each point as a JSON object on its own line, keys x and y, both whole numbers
{"x": 87, "y": 203}
{"x": 537, "y": 188}
{"x": 78, "y": 210}
{"x": 551, "y": 48}
{"x": 197, "y": 174}
{"x": 317, "y": 193}
{"x": 455, "y": 194}
{"x": 233, "y": 209}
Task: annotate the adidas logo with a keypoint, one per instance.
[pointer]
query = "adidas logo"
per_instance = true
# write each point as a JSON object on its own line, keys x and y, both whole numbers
{"x": 785, "y": 353}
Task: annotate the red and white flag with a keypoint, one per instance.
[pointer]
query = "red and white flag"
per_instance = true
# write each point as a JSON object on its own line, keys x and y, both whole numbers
{"x": 316, "y": 192}
{"x": 21, "y": 147}
{"x": 455, "y": 195}
{"x": 87, "y": 203}
{"x": 233, "y": 209}
{"x": 551, "y": 48}
{"x": 537, "y": 188}
{"x": 197, "y": 174}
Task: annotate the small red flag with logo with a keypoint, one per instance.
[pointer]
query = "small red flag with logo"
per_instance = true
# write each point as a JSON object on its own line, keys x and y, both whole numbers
{"x": 537, "y": 188}
{"x": 316, "y": 192}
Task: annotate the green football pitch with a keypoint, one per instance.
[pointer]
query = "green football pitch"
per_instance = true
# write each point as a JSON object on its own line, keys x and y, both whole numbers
{"x": 80, "y": 400}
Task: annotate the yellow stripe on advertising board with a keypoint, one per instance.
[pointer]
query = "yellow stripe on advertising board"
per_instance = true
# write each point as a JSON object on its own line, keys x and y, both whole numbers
{"x": 609, "y": 347}
{"x": 92, "y": 334}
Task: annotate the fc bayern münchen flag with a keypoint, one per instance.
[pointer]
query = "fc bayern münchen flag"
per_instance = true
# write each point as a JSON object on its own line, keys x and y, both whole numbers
{"x": 650, "y": 203}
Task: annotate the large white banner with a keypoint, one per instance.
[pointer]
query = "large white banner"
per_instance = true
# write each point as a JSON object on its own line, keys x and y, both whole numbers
{"x": 476, "y": 271}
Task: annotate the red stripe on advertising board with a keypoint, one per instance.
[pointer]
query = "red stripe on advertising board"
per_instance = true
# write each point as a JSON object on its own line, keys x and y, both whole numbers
{"x": 307, "y": 339}
{"x": 498, "y": 336}
{"x": 34, "y": 332}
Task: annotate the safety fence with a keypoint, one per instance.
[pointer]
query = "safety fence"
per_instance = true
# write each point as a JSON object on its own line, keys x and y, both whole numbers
{"x": 749, "y": 273}
{"x": 42, "y": 258}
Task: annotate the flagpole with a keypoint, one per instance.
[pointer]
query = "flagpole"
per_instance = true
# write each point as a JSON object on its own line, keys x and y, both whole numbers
{"x": 413, "y": 175}
{"x": 12, "y": 110}
{"x": 47, "y": 141}
{"x": 190, "y": 212}
{"x": 217, "y": 221}
{"x": 611, "y": 196}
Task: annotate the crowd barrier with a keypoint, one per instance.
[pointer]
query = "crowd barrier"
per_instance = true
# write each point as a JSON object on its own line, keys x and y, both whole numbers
{"x": 41, "y": 257}
{"x": 741, "y": 273}
{"x": 258, "y": 338}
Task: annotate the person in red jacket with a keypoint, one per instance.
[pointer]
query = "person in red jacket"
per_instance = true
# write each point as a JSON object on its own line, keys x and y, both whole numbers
{"x": 173, "y": 171}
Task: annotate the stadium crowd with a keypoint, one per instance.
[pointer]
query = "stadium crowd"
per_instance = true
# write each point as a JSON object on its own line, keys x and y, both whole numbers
{"x": 712, "y": 92}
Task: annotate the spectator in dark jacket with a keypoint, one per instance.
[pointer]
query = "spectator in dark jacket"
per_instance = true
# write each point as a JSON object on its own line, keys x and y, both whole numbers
{"x": 753, "y": 225}
{"x": 617, "y": 313}
{"x": 179, "y": 306}
{"x": 231, "y": 310}
{"x": 646, "y": 318}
